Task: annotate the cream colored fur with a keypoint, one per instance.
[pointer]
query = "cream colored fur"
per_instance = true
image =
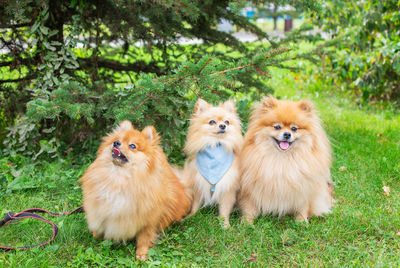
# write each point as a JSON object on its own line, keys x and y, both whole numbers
{"x": 202, "y": 134}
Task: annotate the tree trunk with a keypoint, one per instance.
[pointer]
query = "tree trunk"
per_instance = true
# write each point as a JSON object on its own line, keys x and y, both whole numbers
{"x": 275, "y": 17}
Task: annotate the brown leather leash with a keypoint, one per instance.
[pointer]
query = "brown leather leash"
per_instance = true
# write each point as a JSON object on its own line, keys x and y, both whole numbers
{"x": 31, "y": 213}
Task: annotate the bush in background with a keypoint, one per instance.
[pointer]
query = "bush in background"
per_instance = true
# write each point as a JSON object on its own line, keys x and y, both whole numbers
{"x": 366, "y": 54}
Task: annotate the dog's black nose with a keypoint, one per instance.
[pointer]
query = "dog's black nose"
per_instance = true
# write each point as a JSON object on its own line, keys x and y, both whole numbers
{"x": 117, "y": 144}
{"x": 222, "y": 126}
{"x": 287, "y": 135}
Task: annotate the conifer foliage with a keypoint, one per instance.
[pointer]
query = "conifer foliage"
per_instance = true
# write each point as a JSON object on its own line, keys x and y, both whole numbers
{"x": 71, "y": 69}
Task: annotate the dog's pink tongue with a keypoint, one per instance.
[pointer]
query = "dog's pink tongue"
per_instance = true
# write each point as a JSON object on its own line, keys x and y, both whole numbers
{"x": 116, "y": 151}
{"x": 284, "y": 145}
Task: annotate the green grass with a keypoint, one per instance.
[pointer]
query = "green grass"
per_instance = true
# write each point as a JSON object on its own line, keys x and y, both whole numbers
{"x": 361, "y": 230}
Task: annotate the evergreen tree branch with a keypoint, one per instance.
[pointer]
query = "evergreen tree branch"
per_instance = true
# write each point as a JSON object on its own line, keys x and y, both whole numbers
{"x": 139, "y": 66}
{"x": 209, "y": 60}
{"x": 233, "y": 69}
{"x": 243, "y": 23}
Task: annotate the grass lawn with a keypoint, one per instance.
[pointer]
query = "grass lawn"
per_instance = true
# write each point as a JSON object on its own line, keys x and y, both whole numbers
{"x": 361, "y": 231}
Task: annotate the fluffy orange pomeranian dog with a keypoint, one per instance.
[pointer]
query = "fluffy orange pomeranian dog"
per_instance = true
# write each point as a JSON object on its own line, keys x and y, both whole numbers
{"x": 285, "y": 162}
{"x": 212, "y": 149}
{"x": 130, "y": 190}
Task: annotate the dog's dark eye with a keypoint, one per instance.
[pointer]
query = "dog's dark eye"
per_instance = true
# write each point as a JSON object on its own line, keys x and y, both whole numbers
{"x": 212, "y": 122}
{"x": 294, "y": 129}
{"x": 132, "y": 146}
{"x": 227, "y": 122}
{"x": 277, "y": 127}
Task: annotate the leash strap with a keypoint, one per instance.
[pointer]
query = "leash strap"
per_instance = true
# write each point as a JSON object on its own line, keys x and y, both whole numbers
{"x": 31, "y": 213}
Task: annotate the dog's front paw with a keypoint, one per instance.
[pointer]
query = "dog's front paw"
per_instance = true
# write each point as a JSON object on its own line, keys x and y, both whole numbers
{"x": 247, "y": 219}
{"x": 226, "y": 225}
{"x": 141, "y": 257}
{"x": 301, "y": 218}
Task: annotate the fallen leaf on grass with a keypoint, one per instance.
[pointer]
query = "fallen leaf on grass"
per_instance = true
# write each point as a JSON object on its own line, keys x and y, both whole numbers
{"x": 342, "y": 168}
{"x": 252, "y": 258}
{"x": 383, "y": 140}
{"x": 386, "y": 189}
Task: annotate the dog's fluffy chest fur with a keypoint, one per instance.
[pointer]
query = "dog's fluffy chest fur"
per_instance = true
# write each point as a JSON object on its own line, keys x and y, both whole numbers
{"x": 282, "y": 182}
{"x": 119, "y": 193}
{"x": 124, "y": 203}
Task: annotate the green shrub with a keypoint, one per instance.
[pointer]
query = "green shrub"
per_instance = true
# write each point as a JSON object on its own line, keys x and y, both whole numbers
{"x": 366, "y": 54}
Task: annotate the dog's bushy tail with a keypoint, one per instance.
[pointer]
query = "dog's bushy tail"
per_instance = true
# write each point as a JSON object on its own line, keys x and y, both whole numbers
{"x": 183, "y": 178}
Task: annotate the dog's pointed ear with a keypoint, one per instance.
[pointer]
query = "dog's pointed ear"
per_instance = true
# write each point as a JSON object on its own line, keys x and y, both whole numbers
{"x": 229, "y": 105}
{"x": 124, "y": 126}
{"x": 306, "y": 105}
{"x": 269, "y": 102}
{"x": 201, "y": 106}
{"x": 151, "y": 133}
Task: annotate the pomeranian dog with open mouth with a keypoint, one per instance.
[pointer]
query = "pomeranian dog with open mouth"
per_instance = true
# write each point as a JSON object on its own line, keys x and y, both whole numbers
{"x": 285, "y": 162}
{"x": 212, "y": 148}
{"x": 130, "y": 190}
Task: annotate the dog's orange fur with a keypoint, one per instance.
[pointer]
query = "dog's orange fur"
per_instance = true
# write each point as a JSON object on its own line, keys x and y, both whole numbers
{"x": 293, "y": 181}
{"x": 138, "y": 198}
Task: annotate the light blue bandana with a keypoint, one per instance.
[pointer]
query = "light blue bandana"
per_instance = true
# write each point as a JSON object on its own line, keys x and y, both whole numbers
{"x": 213, "y": 163}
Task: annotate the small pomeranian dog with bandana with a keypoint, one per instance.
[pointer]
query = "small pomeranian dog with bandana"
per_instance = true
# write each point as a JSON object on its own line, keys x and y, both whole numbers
{"x": 212, "y": 147}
